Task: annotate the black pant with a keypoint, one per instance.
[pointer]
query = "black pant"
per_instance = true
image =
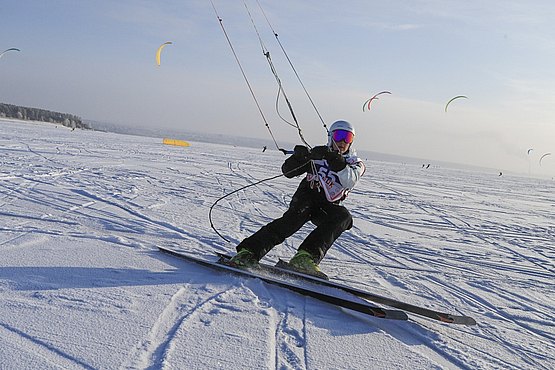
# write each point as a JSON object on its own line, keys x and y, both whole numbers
{"x": 307, "y": 205}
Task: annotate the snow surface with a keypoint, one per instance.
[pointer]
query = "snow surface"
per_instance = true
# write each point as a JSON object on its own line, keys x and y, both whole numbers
{"x": 83, "y": 286}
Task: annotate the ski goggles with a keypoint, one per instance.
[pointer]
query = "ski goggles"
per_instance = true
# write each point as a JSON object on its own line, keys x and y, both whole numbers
{"x": 343, "y": 135}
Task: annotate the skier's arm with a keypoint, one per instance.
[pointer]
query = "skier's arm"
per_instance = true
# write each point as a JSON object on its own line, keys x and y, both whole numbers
{"x": 297, "y": 164}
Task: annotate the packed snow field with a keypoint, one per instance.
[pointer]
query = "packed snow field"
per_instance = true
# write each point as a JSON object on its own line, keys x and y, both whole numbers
{"x": 84, "y": 286}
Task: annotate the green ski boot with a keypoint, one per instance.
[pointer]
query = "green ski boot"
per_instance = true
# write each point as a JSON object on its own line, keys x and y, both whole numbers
{"x": 244, "y": 259}
{"x": 304, "y": 262}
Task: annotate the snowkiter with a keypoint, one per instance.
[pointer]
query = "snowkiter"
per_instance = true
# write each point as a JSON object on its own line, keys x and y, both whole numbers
{"x": 332, "y": 171}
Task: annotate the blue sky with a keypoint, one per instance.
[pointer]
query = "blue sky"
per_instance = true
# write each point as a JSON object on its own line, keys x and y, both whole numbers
{"x": 96, "y": 59}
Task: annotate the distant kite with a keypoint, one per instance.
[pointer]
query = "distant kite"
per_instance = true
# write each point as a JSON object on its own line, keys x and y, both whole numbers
{"x": 175, "y": 142}
{"x": 10, "y": 49}
{"x": 366, "y": 104}
{"x": 456, "y": 97}
{"x": 543, "y": 156}
{"x": 159, "y": 51}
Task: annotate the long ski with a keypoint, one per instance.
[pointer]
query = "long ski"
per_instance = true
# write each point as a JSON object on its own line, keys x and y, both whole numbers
{"x": 282, "y": 268}
{"x": 338, "y": 301}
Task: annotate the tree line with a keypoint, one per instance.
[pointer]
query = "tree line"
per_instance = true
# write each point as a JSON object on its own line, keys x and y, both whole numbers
{"x": 36, "y": 114}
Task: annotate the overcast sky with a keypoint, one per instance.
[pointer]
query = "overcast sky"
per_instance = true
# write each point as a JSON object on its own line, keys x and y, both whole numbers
{"x": 96, "y": 59}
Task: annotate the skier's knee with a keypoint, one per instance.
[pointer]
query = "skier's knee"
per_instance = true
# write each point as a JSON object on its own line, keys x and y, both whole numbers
{"x": 345, "y": 220}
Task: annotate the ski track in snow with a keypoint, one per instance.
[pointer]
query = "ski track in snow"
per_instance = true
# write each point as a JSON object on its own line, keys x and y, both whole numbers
{"x": 539, "y": 268}
{"x": 457, "y": 241}
{"x": 154, "y": 349}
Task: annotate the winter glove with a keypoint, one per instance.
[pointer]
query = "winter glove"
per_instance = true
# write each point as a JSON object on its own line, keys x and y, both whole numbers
{"x": 298, "y": 163}
{"x": 319, "y": 152}
{"x": 301, "y": 153}
{"x": 336, "y": 162}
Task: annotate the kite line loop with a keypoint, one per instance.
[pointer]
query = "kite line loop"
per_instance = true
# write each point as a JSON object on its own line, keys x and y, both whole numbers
{"x": 292, "y": 67}
{"x": 281, "y": 90}
{"x": 220, "y": 20}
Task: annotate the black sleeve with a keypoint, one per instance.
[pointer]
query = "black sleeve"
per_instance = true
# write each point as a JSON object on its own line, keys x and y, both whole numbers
{"x": 294, "y": 167}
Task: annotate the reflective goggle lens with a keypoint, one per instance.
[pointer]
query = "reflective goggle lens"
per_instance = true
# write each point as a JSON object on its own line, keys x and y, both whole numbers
{"x": 346, "y": 136}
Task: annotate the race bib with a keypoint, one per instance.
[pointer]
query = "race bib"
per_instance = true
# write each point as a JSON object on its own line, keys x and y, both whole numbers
{"x": 329, "y": 182}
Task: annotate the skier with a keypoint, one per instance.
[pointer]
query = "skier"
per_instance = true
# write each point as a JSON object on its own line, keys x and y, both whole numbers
{"x": 332, "y": 171}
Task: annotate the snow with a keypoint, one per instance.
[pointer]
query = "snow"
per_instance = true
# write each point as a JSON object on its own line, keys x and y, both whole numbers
{"x": 84, "y": 286}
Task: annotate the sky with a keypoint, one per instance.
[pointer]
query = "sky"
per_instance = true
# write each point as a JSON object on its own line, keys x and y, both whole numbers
{"x": 96, "y": 59}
